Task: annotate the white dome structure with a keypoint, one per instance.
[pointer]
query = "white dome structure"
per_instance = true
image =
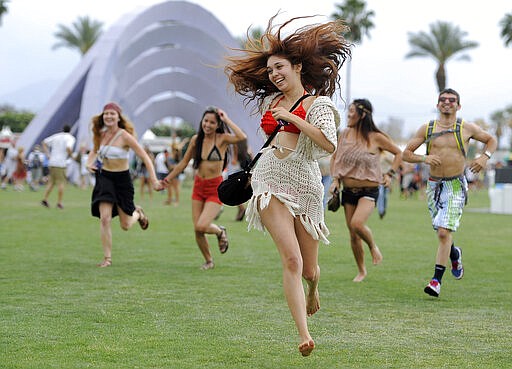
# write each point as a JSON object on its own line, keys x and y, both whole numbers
{"x": 163, "y": 62}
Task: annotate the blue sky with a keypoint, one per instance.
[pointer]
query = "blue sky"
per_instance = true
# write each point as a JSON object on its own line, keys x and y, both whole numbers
{"x": 398, "y": 87}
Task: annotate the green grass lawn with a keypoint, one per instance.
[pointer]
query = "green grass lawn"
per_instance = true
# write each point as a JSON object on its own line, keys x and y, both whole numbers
{"x": 154, "y": 308}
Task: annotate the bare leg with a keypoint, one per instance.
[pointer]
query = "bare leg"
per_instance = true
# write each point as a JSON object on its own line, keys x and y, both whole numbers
{"x": 48, "y": 190}
{"x": 358, "y": 251}
{"x": 280, "y": 224}
{"x": 445, "y": 242}
{"x": 311, "y": 269}
{"x": 355, "y": 243}
{"x": 60, "y": 192}
{"x": 106, "y": 232}
{"x": 127, "y": 221}
{"x": 356, "y": 218}
{"x": 202, "y": 216}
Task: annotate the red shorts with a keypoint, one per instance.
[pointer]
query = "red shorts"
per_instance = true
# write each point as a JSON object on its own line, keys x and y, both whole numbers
{"x": 206, "y": 189}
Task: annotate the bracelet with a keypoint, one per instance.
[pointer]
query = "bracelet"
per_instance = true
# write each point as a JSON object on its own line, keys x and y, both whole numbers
{"x": 487, "y": 153}
{"x": 391, "y": 173}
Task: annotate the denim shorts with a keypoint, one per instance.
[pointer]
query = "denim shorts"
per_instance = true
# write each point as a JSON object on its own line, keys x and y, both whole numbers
{"x": 351, "y": 195}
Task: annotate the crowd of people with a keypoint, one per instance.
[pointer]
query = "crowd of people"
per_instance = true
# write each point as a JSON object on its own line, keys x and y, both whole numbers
{"x": 289, "y": 79}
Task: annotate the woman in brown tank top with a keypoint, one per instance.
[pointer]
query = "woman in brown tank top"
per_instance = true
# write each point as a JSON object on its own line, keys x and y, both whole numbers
{"x": 356, "y": 166}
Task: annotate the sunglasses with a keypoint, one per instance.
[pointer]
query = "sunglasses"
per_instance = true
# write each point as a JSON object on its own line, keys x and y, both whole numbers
{"x": 450, "y": 99}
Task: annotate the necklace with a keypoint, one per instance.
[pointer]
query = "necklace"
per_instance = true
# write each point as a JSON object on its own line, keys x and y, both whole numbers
{"x": 443, "y": 126}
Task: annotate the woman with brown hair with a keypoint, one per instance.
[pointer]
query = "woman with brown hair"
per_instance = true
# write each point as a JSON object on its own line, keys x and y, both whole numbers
{"x": 357, "y": 167}
{"x": 113, "y": 136}
{"x": 209, "y": 149}
{"x": 287, "y": 196}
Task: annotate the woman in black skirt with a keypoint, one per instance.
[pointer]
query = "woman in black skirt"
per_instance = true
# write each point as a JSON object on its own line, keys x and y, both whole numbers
{"x": 113, "y": 136}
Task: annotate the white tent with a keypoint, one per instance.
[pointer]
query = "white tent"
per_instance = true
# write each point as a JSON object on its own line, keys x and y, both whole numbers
{"x": 159, "y": 63}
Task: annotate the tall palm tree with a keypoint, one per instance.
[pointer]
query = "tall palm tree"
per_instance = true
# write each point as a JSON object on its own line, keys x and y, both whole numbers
{"x": 442, "y": 43}
{"x": 82, "y": 35}
{"x": 506, "y": 29}
{"x": 502, "y": 119}
{"x": 355, "y": 16}
{"x": 3, "y": 9}
{"x": 254, "y": 34}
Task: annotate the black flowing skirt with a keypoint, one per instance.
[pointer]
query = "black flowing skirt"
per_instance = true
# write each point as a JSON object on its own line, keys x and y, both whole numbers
{"x": 115, "y": 188}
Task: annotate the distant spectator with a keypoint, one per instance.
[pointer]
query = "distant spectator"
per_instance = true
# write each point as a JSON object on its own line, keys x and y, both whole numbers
{"x": 58, "y": 147}
{"x": 35, "y": 162}
{"x": 10, "y": 158}
{"x": 20, "y": 174}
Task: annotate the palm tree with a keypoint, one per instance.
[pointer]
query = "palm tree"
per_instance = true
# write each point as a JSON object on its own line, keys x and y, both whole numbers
{"x": 254, "y": 34}
{"x": 502, "y": 119}
{"x": 442, "y": 43}
{"x": 81, "y": 36}
{"x": 355, "y": 16}
{"x": 506, "y": 29}
{"x": 3, "y": 9}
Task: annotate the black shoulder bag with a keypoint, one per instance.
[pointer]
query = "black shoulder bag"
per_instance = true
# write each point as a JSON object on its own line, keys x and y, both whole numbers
{"x": 236, "y": 189}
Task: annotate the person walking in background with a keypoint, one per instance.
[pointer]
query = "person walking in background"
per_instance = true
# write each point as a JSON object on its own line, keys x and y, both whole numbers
{"x": 174, "y": 188}
{"x": 58, "y": 148}
{"x": 209, "y": 149}
{"x": 35, "y": 162}
{"x": 20, "y": 173}
{"x": 356, "y": 166}
{"x": 113, "y": 137}
{"x": 325, "y": 170}
{"x": 447, "y": 139}
{"x": 386, "y": 162}
{"x": 287, "y": 186}
{"x": 144, "y": 175}
{"x": 9, "y": 164}
{"x": 161, "y": 167}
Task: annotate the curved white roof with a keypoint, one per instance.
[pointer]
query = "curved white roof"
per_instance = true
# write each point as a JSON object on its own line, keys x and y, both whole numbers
{"x": 164, "y": 61}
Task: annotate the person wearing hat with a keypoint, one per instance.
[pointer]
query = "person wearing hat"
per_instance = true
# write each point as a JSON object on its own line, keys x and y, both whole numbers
{"x": 113, "y": 193}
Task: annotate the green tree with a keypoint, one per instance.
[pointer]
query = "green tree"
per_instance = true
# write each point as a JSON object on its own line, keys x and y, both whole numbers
{"x": 16, "y": 120}
{"x": 3, "y": 9}
{"x": 501, "y": 120}
{"x": 359, "y": 20}
{"x": 444, "y": 42}
{"x": 506, "y": 29}
{"x": 82, "y": 35}
{"x": 254, "y": 34}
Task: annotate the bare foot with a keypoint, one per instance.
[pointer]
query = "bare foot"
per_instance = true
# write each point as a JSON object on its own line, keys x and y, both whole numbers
{"x": 312, "y": 297}
{"x": 208, "y": 265}
{"x": 376, "y": 255}
{"x": 306, "y": 347}
{"x": 360, "y": 277}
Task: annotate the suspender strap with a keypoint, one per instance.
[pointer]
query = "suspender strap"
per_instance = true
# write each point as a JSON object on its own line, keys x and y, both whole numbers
{"x": 428, "y": 134}
{"x": 458, "y": 135}
{"x": 456, "y": 130}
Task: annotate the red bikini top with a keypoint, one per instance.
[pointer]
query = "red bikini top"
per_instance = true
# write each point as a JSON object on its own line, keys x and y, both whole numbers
{"x": 268, "y": 123}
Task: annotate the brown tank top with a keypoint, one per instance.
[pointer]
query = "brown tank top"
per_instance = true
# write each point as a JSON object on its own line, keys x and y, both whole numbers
{"x": 353, "y": 160}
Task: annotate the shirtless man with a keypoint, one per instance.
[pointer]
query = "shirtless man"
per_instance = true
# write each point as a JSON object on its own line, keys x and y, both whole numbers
{"x": 447, "y": 139}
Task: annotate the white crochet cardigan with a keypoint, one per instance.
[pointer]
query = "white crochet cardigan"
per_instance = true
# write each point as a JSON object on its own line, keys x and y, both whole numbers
{"x": 296, "y": 180}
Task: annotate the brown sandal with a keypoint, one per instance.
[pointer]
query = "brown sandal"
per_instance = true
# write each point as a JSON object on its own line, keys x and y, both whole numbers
{"x": 143, "y": 219}
{"x": 222, "y": 237}
{"x": 105, "y": 263}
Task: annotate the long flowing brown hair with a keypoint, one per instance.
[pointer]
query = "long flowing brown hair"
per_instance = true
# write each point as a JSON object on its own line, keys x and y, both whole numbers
{"x": 321, "y": 48}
